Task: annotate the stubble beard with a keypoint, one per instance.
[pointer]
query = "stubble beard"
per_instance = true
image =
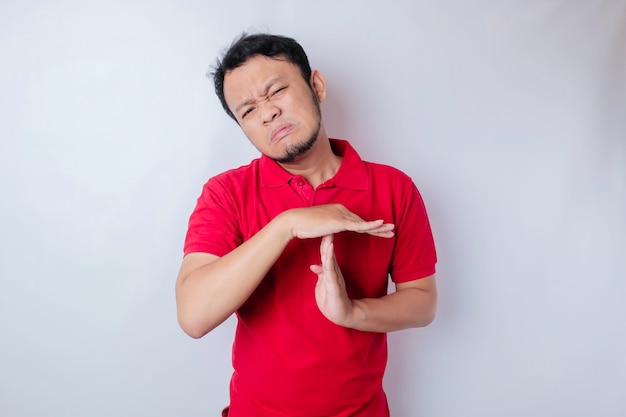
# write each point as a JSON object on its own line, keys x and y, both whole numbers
{"x": 297, "y": 150}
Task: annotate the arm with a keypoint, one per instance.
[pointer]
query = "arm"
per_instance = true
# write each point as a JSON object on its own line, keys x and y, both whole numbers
{"x": 209, "y": 288}
{"x": 413, "y": 304}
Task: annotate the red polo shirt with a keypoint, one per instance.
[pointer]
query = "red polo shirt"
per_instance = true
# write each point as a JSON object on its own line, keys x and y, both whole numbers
{"x": 289, "y": 360}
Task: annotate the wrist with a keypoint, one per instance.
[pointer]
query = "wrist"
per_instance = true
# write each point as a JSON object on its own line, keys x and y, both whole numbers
{"x": 284, "y": 224}
{"x": 358, "y": 314}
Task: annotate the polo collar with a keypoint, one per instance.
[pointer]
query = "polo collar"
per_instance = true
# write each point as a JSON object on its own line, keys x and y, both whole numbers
{"x": 352, "y": 174}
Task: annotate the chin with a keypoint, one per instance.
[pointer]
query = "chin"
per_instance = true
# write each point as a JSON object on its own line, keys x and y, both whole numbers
{"x": 296, "y": 151}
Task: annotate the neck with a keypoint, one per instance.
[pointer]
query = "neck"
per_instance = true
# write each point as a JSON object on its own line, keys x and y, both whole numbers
{"x": 318, "y": 165}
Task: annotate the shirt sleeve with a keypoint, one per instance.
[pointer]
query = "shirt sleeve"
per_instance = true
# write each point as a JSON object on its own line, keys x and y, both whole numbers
{"x": 213, "y": 224}
{"x": 414, "y": 254}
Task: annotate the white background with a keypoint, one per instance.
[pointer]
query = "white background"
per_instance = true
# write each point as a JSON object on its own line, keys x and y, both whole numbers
{"x": 509, "y": 115}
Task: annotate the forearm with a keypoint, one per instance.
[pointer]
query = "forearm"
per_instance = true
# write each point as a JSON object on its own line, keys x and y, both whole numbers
{"x": 209, "y": 294}
{"x": 410, "y": 307}
{"x": 209, "y": 289}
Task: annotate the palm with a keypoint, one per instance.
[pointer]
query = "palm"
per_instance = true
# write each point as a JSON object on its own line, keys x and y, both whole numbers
{"x": 330, "y": 290}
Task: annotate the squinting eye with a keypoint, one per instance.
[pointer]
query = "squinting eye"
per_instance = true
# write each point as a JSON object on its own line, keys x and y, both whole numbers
{"x": 279, "y": 90}
{"x": 247, "y": 112}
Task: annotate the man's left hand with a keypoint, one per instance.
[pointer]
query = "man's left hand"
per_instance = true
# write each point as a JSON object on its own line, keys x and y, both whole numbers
{"x": 330, "y": 290}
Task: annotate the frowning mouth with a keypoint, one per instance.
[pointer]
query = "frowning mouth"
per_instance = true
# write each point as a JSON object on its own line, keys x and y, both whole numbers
{"x": 281, "y": 131}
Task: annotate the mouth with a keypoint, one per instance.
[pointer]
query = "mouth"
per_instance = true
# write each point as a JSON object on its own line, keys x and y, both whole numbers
{"x": 281, "y": 131}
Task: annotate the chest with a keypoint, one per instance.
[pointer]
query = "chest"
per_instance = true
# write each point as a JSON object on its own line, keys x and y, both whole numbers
{"x": 364, "y": 259}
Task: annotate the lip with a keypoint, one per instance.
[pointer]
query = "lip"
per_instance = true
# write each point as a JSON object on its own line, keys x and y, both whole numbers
{"x": 281, "y": 131}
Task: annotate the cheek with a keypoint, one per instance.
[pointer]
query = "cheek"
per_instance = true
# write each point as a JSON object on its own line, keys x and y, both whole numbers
{"x": 307, "y": 108}
{"x": 251, "y": 133}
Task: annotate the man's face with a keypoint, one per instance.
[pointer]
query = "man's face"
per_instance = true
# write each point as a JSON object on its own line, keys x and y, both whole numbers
{"x": 275, "y": 107}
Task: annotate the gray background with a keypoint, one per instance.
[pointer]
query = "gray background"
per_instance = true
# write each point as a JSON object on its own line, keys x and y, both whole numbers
{"x": 509, "y": 115}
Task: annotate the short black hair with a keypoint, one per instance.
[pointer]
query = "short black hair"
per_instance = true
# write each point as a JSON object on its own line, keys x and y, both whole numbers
{"x": 247, "y": 46}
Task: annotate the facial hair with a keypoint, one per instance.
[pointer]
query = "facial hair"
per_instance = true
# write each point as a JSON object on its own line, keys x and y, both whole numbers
{"x": 295, "y": 151}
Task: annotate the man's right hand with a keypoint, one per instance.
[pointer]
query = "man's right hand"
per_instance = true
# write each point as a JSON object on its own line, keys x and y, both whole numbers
{"x": 318, "y": 221}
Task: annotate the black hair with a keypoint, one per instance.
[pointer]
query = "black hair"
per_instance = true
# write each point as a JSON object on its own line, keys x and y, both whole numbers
{"x": 247, "y": 46}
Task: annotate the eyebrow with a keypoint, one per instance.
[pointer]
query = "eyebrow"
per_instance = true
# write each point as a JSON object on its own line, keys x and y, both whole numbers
{"x": 268, "y": 85}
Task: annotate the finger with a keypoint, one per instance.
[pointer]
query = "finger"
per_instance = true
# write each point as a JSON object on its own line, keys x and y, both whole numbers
{"x": 381, "y": 234}
{"x": 336, "y": 265}
{"x": 323, "y": 245}
{"x": 316, "y": 269}
{"x": 384, "y": 230}
{"x": 360, "y": 225}
{"x": 371, "y": 227}
{"x": 383, "y": 227}
{"x": 327, "y": 259}
{"x": 324, "y": 252}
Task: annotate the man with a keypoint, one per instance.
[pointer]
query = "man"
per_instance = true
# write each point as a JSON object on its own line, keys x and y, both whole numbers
{"x": 300, "y": 244}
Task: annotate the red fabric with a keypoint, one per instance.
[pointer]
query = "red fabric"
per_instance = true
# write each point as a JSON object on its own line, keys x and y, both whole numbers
{"x": 289, "y": 360}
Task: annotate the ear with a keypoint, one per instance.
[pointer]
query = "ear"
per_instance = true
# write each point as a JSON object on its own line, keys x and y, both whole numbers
{"x": 319, "y": 85}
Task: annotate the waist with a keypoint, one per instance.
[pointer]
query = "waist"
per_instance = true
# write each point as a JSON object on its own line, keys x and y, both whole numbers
{"x": 286, "y": 404}
{"x": 307, "y": 378}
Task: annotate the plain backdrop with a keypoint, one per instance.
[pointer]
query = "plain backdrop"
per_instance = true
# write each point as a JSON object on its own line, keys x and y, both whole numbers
{"x": 509, "y": 115}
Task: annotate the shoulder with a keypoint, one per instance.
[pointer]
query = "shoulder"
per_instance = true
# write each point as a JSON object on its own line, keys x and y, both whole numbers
{"x": 230, "y": 187}
{"x": 235, "y": 178}
{"x": 387, "y": 173}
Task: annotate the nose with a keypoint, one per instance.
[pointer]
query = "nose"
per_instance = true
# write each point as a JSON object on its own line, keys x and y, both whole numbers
{"x": 269, "y": 111}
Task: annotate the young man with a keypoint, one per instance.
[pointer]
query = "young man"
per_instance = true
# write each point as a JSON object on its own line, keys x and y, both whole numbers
{"x": 300, "y": 244}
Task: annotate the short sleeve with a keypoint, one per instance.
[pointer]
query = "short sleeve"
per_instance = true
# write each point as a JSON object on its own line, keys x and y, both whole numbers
{"x": 213, "y": 224}
{"x": 414, "y": 254}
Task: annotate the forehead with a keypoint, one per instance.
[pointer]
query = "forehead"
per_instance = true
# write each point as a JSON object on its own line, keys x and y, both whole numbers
{"x": 253, "y": 76}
